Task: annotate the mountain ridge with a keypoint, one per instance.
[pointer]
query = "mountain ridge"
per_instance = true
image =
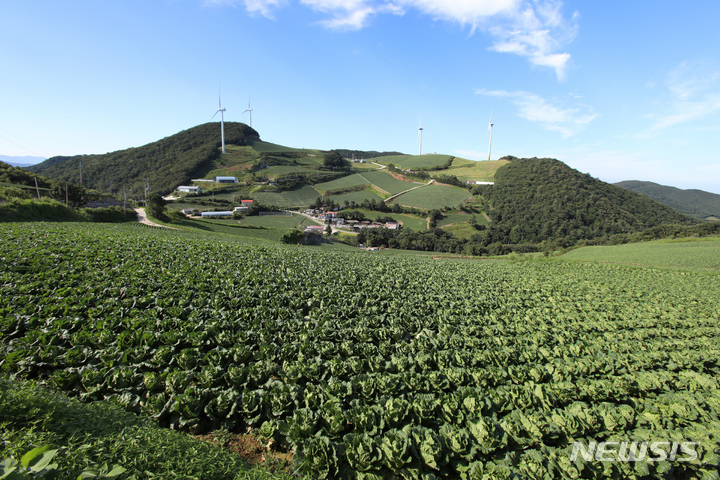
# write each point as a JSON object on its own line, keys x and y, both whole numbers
{"x": 694, "y": 202}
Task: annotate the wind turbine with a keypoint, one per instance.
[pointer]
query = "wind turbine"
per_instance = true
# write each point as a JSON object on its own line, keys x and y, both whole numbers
{"x": 222, "y": 122}
{"x": 490, "y": 125}
{"x": 420, "y": 129}
{"x": 249, "y": 110}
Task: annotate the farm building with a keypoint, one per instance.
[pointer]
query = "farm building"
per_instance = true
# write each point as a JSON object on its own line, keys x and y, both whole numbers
{"x": 315, "y": 228}
{"x": 188, "y": 189}
{"x": 216, "y": 214}
{"x": 226, "y": 180}
{"x": 478, "y": 182}
{"x": 241, "y": 209}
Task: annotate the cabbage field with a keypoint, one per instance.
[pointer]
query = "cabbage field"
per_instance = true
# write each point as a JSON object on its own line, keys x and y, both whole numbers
{"x": 370, "y": 366}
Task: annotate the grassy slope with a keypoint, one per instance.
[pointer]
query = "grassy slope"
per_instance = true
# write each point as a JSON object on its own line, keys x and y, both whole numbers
{"x": 414, "y": 161}
{"x": 470, "y": 170}
{"x": 387, "y": 182}
{"x": 349, "y": 181}
{"x": 692, "y": 254}
{"x": 433, "y": 196}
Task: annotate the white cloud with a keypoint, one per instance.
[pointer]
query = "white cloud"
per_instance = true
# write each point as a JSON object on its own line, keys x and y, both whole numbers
{"x": 535, "y": 29}
{"x": 566, "y": 120}
{"x": 262, "y": 7}
{"x": 351, "y": 14}
{"x": 465, "y": 12}
{"x": 692, "y": 94}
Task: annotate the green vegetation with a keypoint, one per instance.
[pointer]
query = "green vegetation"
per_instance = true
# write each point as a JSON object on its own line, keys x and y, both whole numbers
{"x": 359, "y": 196}
{"x": 302, "y": 196}
{"x": 386, "y": 182}
{"x": 696, "y": 254}
{"x": 165, "y": 164}
{"x": 268, "y": 147}
{"x": 341, "y": 184}
{"x": 89, "y": 437}
{"x": 415, "y": 162}
{"x": 359, "y": 364}
{"x": 433, "y": 196}
{"x": 469, "y": 170}
{"x": 536, "y": 200}
{"x": 696, "y": 203}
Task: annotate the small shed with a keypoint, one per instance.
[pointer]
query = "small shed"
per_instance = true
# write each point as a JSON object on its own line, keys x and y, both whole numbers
{"x": 188, "y": 189}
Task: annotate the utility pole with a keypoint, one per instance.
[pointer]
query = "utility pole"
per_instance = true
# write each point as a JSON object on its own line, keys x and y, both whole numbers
{"x": 37, "y": 189}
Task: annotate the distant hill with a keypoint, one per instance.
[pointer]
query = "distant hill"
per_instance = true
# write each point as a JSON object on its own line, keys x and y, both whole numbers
{"x": 24, "y": 161}
{"x": 165, "y": 164}
{"x": 696, "y": 203}
{"x": 537, "y": 199}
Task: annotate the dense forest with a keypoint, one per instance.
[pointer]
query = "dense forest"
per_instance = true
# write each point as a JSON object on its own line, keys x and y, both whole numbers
{"x": 165, "y": 164}
{"x": 537, "y": 199}
{"x": 696, "y": 203}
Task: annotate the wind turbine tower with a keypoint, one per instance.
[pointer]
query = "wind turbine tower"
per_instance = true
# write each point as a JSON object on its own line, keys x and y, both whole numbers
{"x": 222, "y": 122}
{"x": 490, "y": 128}
{"x": 249, "y": 110}
{"x": 420, "y": 129}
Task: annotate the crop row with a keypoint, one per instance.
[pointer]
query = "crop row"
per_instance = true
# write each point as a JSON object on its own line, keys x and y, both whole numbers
{"x": 370, "y": 367}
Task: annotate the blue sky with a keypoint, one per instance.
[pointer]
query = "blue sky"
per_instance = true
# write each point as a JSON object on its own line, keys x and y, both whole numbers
{"x": 620, "y": 90}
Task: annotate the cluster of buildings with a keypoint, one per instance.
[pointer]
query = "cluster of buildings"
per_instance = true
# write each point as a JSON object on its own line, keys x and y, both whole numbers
{"x": 331, "y": 218}
{"x": 243, "y": 208}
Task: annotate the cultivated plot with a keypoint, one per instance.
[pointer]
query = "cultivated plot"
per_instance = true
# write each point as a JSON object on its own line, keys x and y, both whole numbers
{"x": 433, "y": 196}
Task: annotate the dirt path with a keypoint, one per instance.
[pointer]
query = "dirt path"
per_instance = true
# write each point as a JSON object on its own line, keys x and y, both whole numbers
{"x": 409, "y": 189}
{"x": 142, "y": 218}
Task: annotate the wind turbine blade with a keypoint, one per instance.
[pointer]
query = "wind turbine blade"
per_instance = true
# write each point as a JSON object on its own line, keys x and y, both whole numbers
{"x": 214, "y": 114}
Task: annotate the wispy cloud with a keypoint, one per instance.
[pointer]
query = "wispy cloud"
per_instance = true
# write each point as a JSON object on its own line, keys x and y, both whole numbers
{"x": 351, "y": 14}
{"x": 534, "y": 29}
{"x": 262, "y": 7}
{"x": 692, "y": 93}
{"x": 566, "y": 120}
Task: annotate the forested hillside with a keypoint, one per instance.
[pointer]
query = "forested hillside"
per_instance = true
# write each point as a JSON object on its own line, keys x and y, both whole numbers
{"x": 20, "y": 177}
{"x": 165, "y": 164}
{"x": 539, "y": 199}
{"x": 696, "y": 203}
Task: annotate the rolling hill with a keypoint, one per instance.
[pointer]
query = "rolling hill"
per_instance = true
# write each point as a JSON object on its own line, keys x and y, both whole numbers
{"x": 538, "y": 199}
{"x": 696, "y": 203}
{"x": 164, "y": 164}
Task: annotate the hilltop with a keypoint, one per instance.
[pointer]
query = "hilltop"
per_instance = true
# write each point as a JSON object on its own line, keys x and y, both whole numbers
{"x": 696, "y": 203}
{"x": 164, "y": 164}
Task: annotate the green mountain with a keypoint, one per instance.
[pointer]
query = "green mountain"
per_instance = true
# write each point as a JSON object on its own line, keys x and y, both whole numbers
{"x": 164, "y": 164}
{"x": 537, "y": 199}
{"x": 696, "y": 203}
